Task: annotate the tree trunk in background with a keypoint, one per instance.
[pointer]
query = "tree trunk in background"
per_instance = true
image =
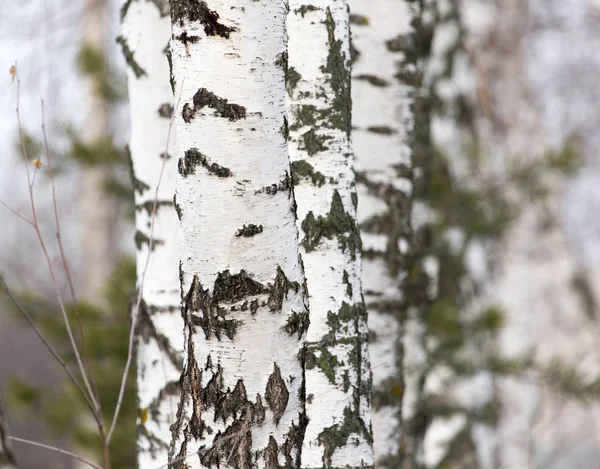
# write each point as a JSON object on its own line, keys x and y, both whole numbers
{"x": 146, "y": 28}
{"x": 6, "y": 458}
{"x": 100, "y": 212}
{"x": 338, "y": 376}
{"x": 382, "y": 95}
{"x": 245, "y": 300}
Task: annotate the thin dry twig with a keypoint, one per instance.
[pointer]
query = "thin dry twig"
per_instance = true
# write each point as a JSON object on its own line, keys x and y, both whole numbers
{"x": 48, "y": 260}
{"x": 17, "y": 213}
{"x": 44, "y": 341}
{"x": 55, "y": 449}
{"x": 136, "y": 309}
{"x": 67, "y": 270}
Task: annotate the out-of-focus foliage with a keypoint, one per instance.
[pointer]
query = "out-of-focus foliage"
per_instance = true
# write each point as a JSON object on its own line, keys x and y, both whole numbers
{"x": 106, "y": 330}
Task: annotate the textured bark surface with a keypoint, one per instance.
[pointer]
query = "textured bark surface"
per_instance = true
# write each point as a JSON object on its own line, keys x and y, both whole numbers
{"x": 146, "y": 28}
{"x": 6, "y": 457}
{"x": 244, "y": 294}
{"x": 383, "y": 89}
{"x": 338, "y": 378}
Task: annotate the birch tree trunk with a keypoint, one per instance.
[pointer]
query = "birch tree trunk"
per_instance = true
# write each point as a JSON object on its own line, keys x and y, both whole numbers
{"x": 338, "y": 377}
{"x": 146, "y": 29}
{"x": 6, "y": 458}
{"x": 100, "y": 213}
{"x": 382, "y": 95}
{"x": 244, "y": 294}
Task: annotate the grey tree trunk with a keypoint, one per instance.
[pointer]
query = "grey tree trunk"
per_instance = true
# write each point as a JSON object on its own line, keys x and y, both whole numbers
{"x": 7, "y": 460}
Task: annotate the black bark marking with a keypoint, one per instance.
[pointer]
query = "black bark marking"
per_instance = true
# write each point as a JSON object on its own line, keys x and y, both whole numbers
{"x": 146, "y": 330}
{"x": 177, "y": 207}
{"x": 205, "y": 98}
{"x": 192, "y": 158}
{"x": 161, "y": 5}
{"x": 166, "y": 110}
{"x": 373, "y": 80}
{"x": 138, "y": 186}
{"x": 129, "y": 58}
{"x": 282, "y": 60}
{"x": 148, "y": 206}
{"x": 280, "y": 289}
{"x": 297, "y": 323}
{"x": 285, "y": 184}
{"x": 382, "y": 130}
{"x": 305, "y": 9}
{"x": 247, "y": 231}
{"x": 186, "y": 39}
{"x": 194, "y": 10}
{"x": 141, "y": 238}
{"x": 277, "y": 394}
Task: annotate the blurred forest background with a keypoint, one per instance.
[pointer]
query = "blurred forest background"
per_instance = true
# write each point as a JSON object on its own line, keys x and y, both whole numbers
{"x": 520, "y": 77}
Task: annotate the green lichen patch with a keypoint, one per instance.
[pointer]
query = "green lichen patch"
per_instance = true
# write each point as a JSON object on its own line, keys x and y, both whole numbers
{"x": 305, "y": 9}
{"x": 338, "y": 69}
{"x": 297, "y": 323}
{"x": 277, "y": 394}
{"x": 195, "y": 10}
{"x": 373, "y": 80}
{"x": 279, "y": 290}
{"x": 204, "y": 98}
{"x": 319, "y": 356}
{"x": 337, "y": 435}
{"x": 248, "y": 231}
{"x": 129, "y": 58}
{"x": 314, "y": 143}
{"x": 337, "y": 223}
{"x": 382, "y": 130}
{"x": 192, "y": 158}
{"x": 292, "y": 77}
{"x": 303, "y": 169}
{"x": 359, "y": 20}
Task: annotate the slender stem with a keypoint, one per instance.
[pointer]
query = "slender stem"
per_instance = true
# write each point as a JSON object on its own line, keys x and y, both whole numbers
{"x": 17, "y": 213}
{"x": 65, "y": 264}
{"x": 55, "y": 449}
{"x": 47, "y": 256}
{"x": 136, "y": 309}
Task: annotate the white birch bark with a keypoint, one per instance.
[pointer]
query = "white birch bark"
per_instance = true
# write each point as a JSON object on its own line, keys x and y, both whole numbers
{"x": 146, "y": 28}
{"x": 6, "y": 457}
{"x": 244, "y": 304}
{"x": 338, "y": 377}
{"x": 100, "y": 213}
{"x": 383, "y": 125}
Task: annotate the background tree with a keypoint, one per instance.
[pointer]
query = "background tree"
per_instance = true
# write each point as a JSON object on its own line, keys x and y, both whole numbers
{"x": 338, "y": 377}
{"x": 145, "y": 34}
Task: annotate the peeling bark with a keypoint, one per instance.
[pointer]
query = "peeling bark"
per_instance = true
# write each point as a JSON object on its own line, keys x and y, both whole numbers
{"x": 244, "y": 299}
{"x": 338, "y": 376}
{"x": 145, "y": 31}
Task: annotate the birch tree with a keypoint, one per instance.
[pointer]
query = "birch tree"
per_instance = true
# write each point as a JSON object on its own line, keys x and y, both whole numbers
{"x": 244, "y": 295}
{"x": 383, "y": 89}
{"x": 100, "y": 213}
{"x": 338, "y": 377}
{"x": 146, "y": 29}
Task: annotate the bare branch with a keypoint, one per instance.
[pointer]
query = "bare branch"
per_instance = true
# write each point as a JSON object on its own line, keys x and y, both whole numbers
{"x": 17, "y": 213}
{"x": 55, "y": 449}
{"x": 45, "y": 342}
